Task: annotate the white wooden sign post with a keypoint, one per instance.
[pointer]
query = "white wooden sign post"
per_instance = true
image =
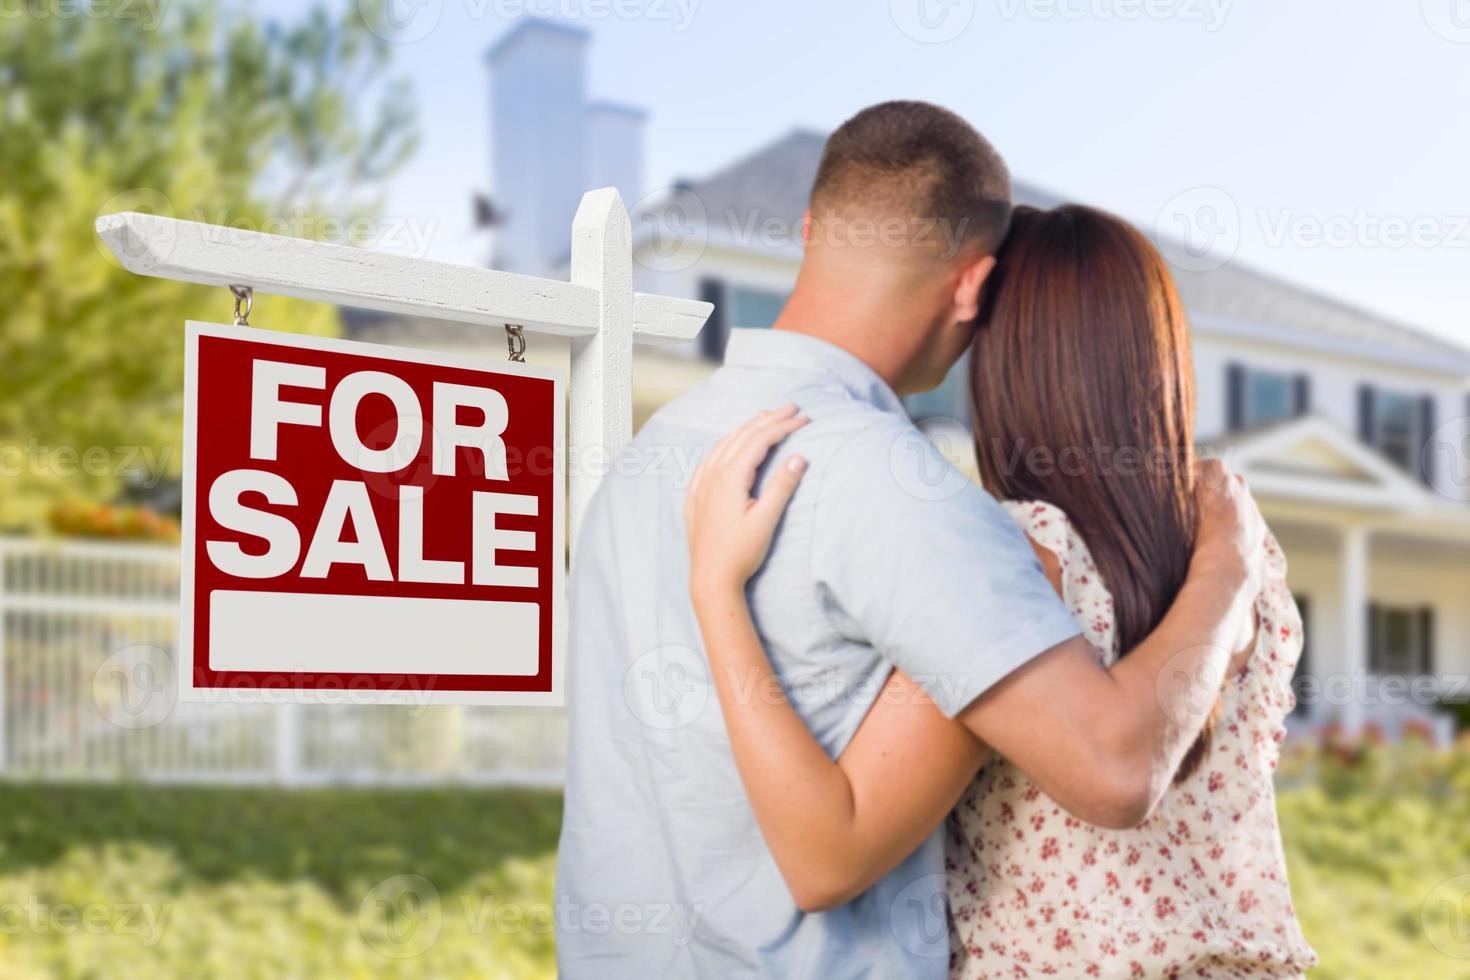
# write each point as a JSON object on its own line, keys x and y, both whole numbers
{"x": 598, "y": 310}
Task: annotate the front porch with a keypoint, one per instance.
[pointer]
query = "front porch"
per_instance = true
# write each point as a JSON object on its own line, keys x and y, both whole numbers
{"x": 1381, "y": 568}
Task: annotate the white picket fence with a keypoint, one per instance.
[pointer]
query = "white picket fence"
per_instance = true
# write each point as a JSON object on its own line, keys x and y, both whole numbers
{"x": 87, "y": 639}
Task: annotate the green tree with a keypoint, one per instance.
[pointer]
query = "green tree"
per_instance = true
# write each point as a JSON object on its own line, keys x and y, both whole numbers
{"x": 185, "y": 110}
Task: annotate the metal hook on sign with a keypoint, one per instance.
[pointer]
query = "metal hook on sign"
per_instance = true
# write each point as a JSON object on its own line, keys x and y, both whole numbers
{"x": 515, "y": 341}
{"x": 244, "y": 299}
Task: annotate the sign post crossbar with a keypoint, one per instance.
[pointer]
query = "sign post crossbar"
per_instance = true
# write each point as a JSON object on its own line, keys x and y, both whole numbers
{"x": 598, "y": 309}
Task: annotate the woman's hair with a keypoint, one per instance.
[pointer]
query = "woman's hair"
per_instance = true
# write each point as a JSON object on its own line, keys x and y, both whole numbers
{"x": 1083, "y": 390}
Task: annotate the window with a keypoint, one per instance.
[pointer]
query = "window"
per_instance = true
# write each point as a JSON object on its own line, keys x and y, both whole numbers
{"x": 1398, "y": 424}
{"x": 1257, "y": 396}
{"x": 1396, "y": 427}
{"x": 735, "y": 306}
{"x": 754, "y": 307}
{"x": 1267, "y": 397}
{"x": 1400, "y": 641}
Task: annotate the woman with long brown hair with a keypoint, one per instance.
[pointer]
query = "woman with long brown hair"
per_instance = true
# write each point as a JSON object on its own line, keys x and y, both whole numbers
{"x": 1083, "y": 394}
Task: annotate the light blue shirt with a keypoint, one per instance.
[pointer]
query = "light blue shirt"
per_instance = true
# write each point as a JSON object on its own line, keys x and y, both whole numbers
{"x": 886, "y": 556}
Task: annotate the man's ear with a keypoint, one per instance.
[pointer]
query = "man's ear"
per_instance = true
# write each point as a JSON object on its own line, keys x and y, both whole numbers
{"x": 806, "y": 227}
{"x": 967, "y": 290}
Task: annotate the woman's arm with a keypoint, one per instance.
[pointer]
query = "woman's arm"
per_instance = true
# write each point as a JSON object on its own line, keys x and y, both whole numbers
{"x": 834, "y": 828}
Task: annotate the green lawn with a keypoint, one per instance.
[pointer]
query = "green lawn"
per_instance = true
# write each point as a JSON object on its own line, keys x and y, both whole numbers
{"x": 100, "y": 882}
{"x": 242, "y": 883}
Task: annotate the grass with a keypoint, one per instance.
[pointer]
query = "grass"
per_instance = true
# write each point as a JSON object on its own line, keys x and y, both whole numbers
{"x": 1378, "y": 847}
{"x": 337, "y": 839}
{"x": 101, "y": 882}
{"x": 220, "y": 884}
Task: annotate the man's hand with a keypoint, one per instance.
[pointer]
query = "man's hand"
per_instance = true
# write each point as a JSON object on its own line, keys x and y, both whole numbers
{"x": 1106, "y": 746}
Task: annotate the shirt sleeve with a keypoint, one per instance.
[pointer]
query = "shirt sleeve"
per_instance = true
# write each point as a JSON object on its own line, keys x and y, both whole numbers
{"x": 925, "y": 566}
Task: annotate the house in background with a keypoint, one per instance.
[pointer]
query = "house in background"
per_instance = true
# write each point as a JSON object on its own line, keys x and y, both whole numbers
{"x": 1353, "y": 430}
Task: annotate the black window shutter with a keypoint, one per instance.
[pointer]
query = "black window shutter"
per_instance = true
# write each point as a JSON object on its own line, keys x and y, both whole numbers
{"x": 1367, "y": 430}
{"x": 1304, "y": 664}
{"x": 1235, "y": 397}
{"x": 1426, "y": 640}
{"x": 1427, "y": 424}
{"x": 712, "y": 338}
{"x": 1301, "y": 389}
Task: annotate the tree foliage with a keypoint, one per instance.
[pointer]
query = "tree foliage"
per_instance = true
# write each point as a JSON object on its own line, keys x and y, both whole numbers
{"x": 204, "y": 115}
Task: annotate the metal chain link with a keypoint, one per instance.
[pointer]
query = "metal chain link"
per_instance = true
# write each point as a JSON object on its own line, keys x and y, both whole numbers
{"x": 515, "y": 341}
{"x": 244, "y": 299}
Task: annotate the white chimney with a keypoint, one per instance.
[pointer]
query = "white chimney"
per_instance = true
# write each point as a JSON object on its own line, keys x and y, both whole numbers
{"x": 615, "y": 149}
{"x": 538, "y": 141}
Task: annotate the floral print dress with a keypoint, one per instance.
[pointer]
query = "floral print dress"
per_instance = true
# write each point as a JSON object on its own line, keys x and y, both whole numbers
{"x": 1198, "y": 891}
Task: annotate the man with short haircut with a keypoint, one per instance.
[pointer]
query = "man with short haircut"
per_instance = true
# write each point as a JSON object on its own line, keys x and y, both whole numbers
{"x": 887, "y": 557}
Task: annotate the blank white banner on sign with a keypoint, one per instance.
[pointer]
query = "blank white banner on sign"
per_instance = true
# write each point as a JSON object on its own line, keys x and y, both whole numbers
{"x": 289, "y": 632}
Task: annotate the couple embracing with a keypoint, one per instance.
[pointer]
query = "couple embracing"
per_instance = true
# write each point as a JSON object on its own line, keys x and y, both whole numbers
{"x": 929, "y": 728}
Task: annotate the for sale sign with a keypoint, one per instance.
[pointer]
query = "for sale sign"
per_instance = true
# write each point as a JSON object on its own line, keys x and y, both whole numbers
{"x": 369, "y": 521}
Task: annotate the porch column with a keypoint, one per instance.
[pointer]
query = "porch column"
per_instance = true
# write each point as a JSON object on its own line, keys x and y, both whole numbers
{"x": 1354, "y": 624}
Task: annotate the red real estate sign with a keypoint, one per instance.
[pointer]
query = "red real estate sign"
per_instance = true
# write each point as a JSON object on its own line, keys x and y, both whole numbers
{"x": 370, "y": 521}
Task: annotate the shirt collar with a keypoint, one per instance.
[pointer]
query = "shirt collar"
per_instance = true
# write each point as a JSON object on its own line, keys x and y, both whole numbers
{"x": 766, "y": 348}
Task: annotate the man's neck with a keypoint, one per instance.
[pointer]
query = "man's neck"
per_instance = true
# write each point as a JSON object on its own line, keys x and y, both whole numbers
{"x": 866, "y": 331}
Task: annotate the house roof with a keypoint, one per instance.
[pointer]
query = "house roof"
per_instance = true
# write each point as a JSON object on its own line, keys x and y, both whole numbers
{"x": 774, "y": 182}
{"x": 1311, "y": 461}
{"x": 1235, "y": 294}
